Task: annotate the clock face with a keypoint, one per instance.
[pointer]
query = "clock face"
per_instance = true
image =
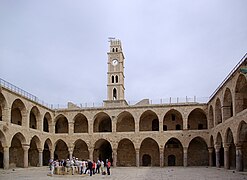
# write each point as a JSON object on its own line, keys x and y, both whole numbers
{"x": 114, "y": 62}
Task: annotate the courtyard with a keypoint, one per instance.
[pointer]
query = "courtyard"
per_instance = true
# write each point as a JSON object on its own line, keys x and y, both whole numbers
{"x": 130, "y": 173}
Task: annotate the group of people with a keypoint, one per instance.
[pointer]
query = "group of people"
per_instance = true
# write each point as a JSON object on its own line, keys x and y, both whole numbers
{"x": 81, "y": 167}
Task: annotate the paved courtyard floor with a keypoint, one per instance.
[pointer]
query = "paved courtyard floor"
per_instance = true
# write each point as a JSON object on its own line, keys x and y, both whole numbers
{"x": 142, "y": 173}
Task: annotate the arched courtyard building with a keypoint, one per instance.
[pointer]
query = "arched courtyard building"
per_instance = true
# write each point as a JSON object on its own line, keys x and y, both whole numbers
{"x": 165, "y": 134}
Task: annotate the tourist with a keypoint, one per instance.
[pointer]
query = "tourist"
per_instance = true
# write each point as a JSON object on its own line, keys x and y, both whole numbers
{"x": 108, "y": 166}
{"x": 102, "y": 166}
{"x": 98, "y": 166}
{"x": 90, "y": 167}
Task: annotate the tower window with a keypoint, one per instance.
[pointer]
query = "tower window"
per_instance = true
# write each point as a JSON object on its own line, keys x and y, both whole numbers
{"x": 114, "y": 94}
{"x": 116, "y": 79}
{"x": 116, "y": 49}
{"x": 112, "y": 49}
{"x": 112, "y": 79}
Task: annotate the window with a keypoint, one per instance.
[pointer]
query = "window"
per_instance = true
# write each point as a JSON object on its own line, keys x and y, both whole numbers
{"x": 164, "y": 127}
{"x": 112, "y": 79}
{"x": 116, "y": 79}
{"x": 200, "y": 126}
{"x": 112, "y": 49}
{"x": 116, "y": 49}
{"x": 173, "y": 117}
{"x": 114, "y": 94}
{"x": 178, "y": 127}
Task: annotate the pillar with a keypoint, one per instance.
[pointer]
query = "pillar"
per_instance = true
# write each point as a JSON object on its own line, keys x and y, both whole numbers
{"x": 185, "y": 156}
{"x": 114, "y": 124}
{"x": 226, "y": 156}
{"x": 40, "y": 157}
{"x": 137, "y": 157}
{"x": 114, "y": 157}
{"x": 91, "y": 153}
{"x": 217, "y": 154}
{"x": 161, "y": 157}
{"x": 239, "y": 158}
{"x": 6, "y": 157}
{"x": 70, "y": 153}
{"x": 51, "y": 153}
{"x": 210, "y": 154}
{"x": 71, "y": 128}
{"x": 25, "y": 149}
{"x": 185, "y": 123}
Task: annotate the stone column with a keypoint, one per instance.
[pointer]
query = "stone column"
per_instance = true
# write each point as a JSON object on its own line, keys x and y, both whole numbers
{"x": 185, "y": 123}
{"x": 40, "y": 157}
{"x": 70, "y": 153}
{"x": 161, "y": 157}
{"x": 91, "y": 153}
{"x": 210, "y": 154}
{"x": 90, "y": 126}
{"x": 217, "y": 153}
{"x": 6, "y": 157}
{"x": 71, "y": 128}
{"x": 51, "y": 153}
{"x": 226, "y": 156}
{"x": 185, "y": 156}
{"x": 114, "y": 152}
{"x": 25, "y": 149}
{"x": 114, "y": 124}
{"x": 137, "y": 157}
{"x": 239, "y": 158}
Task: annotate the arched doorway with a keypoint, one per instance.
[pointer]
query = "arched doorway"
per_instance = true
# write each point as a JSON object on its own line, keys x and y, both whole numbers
{"x": 18, "y": 112}
{"x": 218, "y": 112}
{"x": 34, "y": 118}
{"x": 61, "y": 150}
{"x": 219, "y": 144}
{"x": 227, "y": 105}
{"x": 33, "y": 153}
{"x": 241, "y": 94}
{"x": 102, "y": 150}
{"x": 125, "y": 122}
{"x": 150, "y": 147}
{"x": 46, "y": 122}
{"x": 81, "y": 150}
{"x": 174, "y": 149}
{"x": 146, "y": 121}
{"x": 242, "y": 138}
{"x": 80, "y": 124}
{"x": 16, "y": 153}
{"x": 172, "y": 160}
{"x": 62, "y": 125}
{"x": 172, "y": 119}
{"x": 197, "y": 120}
{"x": 198, "y": 152}
{"x": 232, "y": 150}
{"x": 126, "y": 155}
{"x": 102, "y": 123}
{"x": 146, "y": 160}
{"x": 46, "y": 152}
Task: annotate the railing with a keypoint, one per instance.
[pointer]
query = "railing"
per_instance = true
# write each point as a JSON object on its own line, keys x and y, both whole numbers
{"x": 228, "y": 76}
{"x": 23, "y": 93}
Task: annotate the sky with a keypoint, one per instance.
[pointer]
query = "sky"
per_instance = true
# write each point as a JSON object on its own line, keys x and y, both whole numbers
{"x": 57, "y": 50}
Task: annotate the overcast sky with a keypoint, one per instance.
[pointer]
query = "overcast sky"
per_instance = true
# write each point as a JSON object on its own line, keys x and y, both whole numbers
{"x": 57, "y": 50}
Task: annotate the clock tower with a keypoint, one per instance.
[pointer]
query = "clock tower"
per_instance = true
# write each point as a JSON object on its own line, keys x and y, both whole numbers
{"x": 115, "y": 75}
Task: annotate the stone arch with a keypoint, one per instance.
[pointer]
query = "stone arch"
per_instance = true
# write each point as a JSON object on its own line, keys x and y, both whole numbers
{"x": 62, "y": 125}
{"x": 227, "y": 104}
{"x": 47, "y": 120}
{"x": 241, "y": 94}
{"x": 126, "y": 155}
{"x": 173, "y": 153}
{"x": 242, "y": 141}
{"x": 61, "y": 150}
{"x": 34, "y": 118}
{"x": 198, "y": 152}
{"x": 102, "y": 150}
{"x": 2, "y": 145}
{"x": 80, "y": 150}
{"x": 218, "y": 112}
{"x": 229, "y": 143}
{"x": 102, "y": 123}
{"x": 171, "y": 119}
{"x": 146, "y": 121}
{"x": 211, "y": 117}
{"x": 213, "y": 156}
{"x": 3, "y": 105}
{"x": 18, "y": 112}
{"x": 197, "y": 119}
{"x": 149, "y": 148}
{"x": 80, "y": 124}
{"x": 219, "y": 145}
{"x": 33, "y": 152}
{"x": 16, "y": 152}
{"x": 46, "y": 152}
{"x": 125, "y": 122}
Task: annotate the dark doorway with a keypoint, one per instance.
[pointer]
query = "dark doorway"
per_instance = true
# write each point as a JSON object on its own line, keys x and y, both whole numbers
{"x": 46, "y": 155}
{"x": 171, "y": 160}
{"x": 146, "y": 160}
{"x": 1, "y": 160}
{"x": 105, "y": 151}
{"x": 155, "y": 125}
